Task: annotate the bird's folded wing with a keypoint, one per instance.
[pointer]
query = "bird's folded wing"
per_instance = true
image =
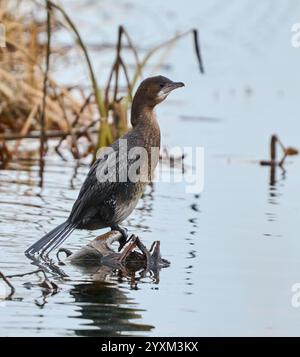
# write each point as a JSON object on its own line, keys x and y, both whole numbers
{"x": 99, "y": 184}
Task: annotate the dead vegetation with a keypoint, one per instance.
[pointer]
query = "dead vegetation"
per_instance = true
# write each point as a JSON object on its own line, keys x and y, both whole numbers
{"x": 277, "y": 161}
{"x": 276, "y": 143}
{"x": 34, "y": 105}
{"x": 99, "y": 258}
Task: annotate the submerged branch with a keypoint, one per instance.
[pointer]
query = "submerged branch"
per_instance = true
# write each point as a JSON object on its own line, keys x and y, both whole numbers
{"x": 28, "y": 273}
{"x": 9, "y": 284}
{"x": 100, "y": 252}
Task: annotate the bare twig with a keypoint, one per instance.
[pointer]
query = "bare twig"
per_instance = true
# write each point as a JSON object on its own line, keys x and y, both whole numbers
{"x": 12, "y": 289}
{"x": 28, "y": 273}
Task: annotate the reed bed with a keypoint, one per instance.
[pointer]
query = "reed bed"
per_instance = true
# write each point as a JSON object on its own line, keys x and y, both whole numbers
{"x": 34, "y": 105}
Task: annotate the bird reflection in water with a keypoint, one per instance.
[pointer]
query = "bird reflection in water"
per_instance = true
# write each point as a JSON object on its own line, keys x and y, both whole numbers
{"x": 105, "y": 303}
{"x": 108, "y": 310}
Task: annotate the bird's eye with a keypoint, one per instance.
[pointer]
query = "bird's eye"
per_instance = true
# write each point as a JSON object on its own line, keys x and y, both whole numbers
{"x": 161, "y": 85}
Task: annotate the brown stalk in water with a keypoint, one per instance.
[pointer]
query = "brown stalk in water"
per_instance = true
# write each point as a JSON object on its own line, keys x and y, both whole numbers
{"x": 287, "y": 151}
{"x": 45, "y": 83}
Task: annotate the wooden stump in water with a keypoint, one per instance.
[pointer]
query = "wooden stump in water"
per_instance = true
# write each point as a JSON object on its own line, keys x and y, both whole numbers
{"x": 99, "y": 258}
{"x": 99, "y": 252}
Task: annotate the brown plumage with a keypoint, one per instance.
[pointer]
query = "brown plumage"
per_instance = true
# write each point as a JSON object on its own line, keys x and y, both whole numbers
{"x": 103, "y": 202}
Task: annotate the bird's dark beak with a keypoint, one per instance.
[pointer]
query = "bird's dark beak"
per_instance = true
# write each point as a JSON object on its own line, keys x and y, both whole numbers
{"x": 173, "y": 85}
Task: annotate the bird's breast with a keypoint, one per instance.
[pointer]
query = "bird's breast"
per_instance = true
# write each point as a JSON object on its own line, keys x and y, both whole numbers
{"x": 126, "y": 199}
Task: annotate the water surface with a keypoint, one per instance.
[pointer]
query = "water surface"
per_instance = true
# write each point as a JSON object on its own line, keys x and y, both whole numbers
{"x": 234, "y": 249}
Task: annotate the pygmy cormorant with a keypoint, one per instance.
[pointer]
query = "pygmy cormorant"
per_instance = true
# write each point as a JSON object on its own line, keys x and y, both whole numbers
{"x": 108, "y": 194}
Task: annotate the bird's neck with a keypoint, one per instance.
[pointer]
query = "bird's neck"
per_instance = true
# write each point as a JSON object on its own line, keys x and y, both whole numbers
{"x": 143, "y": 120}
{"x": 142, "y": 113}
{"x": 147, "y": 131}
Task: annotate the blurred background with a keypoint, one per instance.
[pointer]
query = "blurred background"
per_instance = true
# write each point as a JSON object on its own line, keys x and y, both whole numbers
{"x": 234, "y": 249}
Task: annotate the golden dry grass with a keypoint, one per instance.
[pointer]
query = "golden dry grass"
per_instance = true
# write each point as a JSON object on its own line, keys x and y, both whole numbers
{"x": 34, "y": 105}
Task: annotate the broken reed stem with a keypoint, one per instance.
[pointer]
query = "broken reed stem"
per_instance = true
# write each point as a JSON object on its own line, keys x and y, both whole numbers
{"x": 273, "y": 148}
{"x": 98, "y": 95}
{"x": 104, "y": 134}
{"x": 287, "y": 151}
{"x": 114, "y": 70}
{"x": 119, "y": 62}
{"x": 81, "y": 110}
{"x": 45, "y": 84}
{"x": 74, "y": 147}
{"x": 108, "y": 84}
{"x": 117, "y": 67}
{"x": 129, "y": 88}
{"x": 174, "y": 39}
{"x": 12, "y": 288}
{"x": 133, "y": 49}
{"x": 197, "y": 50}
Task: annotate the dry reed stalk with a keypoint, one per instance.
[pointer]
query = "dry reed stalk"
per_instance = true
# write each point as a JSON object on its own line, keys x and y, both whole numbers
{"x": 45, "y": 83}
{"x": 24, "y": 86}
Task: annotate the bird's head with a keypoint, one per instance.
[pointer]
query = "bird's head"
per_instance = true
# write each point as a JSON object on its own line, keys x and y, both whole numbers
{"x": 154, "y": 90}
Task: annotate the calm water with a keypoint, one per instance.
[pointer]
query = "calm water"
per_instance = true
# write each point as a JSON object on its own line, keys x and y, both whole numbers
{"x": 235, "y": 249}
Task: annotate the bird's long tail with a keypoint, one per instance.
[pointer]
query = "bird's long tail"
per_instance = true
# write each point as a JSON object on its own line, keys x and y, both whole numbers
{"x": 52, "y": 239}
